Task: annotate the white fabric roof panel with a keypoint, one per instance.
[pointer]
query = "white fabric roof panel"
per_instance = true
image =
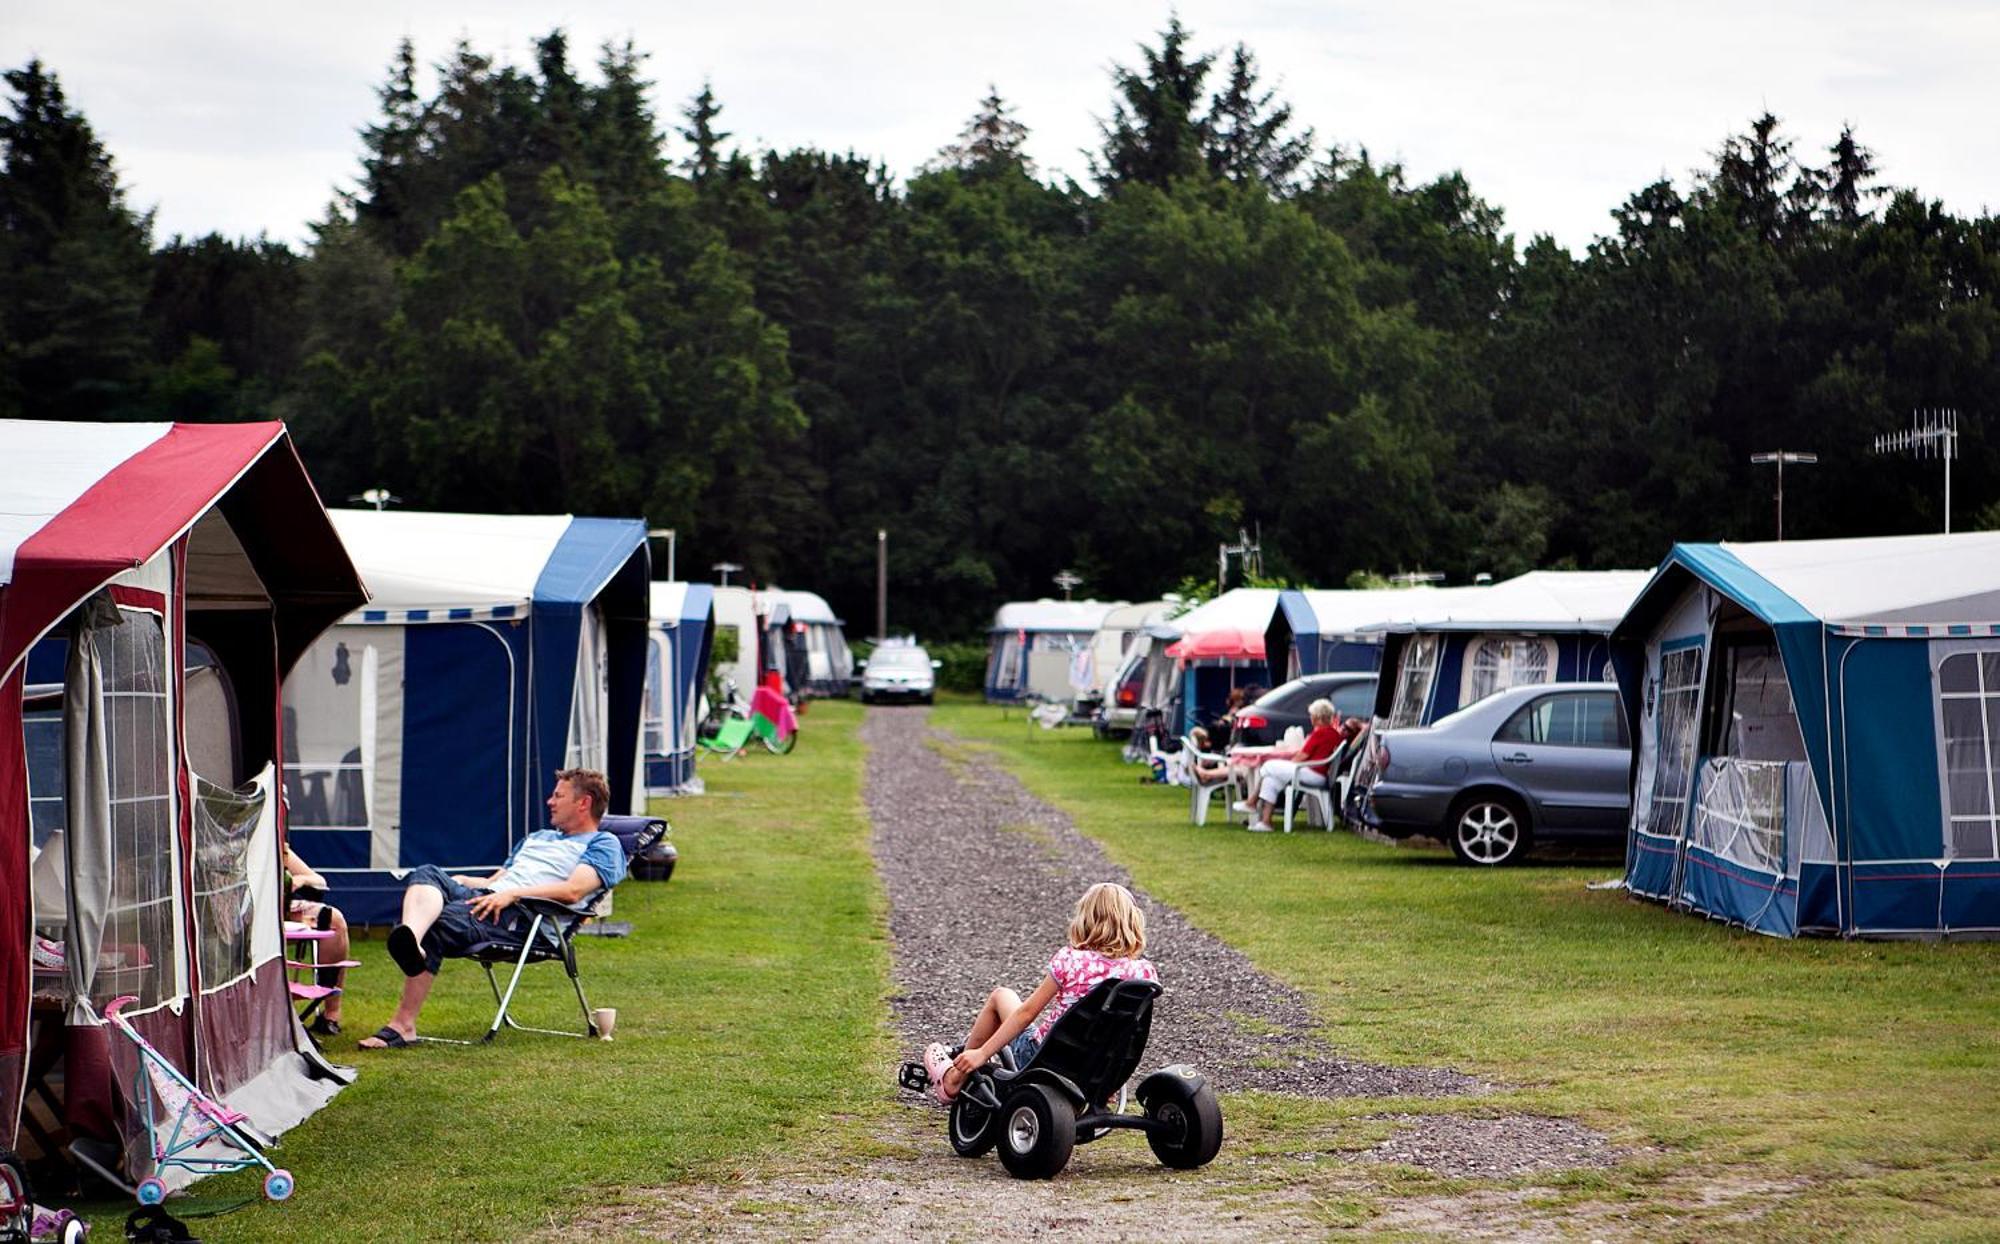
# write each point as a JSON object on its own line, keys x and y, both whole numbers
{"x": 1246, "y": 609}
{"x": 46, "y": 466}
{"x": 1540, "y": 601}
{"x": 1052, "y": 615}
{"x": 1348, "y": 611}
{"x": 665, "y": 605}
{"x": 1135, "y": 617}
{"x": 1885, "y": 579}
{"x": 415, "y": 560}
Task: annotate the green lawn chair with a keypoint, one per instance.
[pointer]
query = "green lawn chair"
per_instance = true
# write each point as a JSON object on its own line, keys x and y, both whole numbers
{"x": 729, "y": 740}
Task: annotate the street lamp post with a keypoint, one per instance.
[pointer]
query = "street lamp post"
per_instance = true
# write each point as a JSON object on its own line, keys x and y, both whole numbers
{"x": 1781, "y": 457}
{"x": 881, "y": 585}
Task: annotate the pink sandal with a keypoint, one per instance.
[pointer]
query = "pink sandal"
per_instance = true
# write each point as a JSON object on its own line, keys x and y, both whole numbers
{"x": 937, "y": 1061}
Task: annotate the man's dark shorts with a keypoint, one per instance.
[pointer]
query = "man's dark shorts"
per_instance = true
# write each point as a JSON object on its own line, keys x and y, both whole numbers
{"x": 457, "y": 930}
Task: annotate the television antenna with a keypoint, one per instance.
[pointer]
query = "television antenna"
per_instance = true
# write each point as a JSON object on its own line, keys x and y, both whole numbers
{"x": 1068, "y": 580}
{"x": 1931, "y": 434}
{"x": 1781, "y": 457}
{"x": 1249, "y": 554}
{"x": 725, "y": 569}
{"x": 380, "y": 498}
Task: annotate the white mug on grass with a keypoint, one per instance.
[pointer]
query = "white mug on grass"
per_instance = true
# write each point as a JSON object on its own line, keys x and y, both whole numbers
{"x": 606, "y": 1019}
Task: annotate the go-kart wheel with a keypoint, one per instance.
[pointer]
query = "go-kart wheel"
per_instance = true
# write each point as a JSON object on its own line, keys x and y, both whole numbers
{"x": 278, "y": 1185}
{"x": 152, "y": 1190}
{"x": 1190, "y": 1130}
{"x": 1037, "y": 1132}
{"x": 974, "y": 1128}
{"x": 17, "y": 1197}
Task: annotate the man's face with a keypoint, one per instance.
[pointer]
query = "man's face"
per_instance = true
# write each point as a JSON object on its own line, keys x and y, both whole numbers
{"x": 569, "y": 809}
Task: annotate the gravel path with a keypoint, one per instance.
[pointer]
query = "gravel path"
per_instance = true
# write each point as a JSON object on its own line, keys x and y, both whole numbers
{"x": 982, "y": 878}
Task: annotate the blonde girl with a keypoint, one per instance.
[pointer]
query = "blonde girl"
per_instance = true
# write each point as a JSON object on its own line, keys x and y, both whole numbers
{"x": 1107, "y": 938}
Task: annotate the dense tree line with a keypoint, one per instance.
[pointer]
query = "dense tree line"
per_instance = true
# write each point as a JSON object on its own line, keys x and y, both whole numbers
{"x": 534, "y": 298}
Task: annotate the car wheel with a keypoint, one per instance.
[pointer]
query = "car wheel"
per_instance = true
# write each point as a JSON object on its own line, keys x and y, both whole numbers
{"x": 1489, "y": 830}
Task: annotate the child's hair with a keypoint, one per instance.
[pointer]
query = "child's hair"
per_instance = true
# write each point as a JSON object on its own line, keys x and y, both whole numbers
{"x": 1200, "y": 737}
{"x": 1109, "y": 922}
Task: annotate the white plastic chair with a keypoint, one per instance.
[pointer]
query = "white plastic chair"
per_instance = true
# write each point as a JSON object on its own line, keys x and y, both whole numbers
{"x": 1199, "y": 792}
{"x": 1319, "y": 796}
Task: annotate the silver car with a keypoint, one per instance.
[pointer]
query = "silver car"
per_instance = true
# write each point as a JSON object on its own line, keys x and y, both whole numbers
{"x": 1528, "y": 764}
{"x": 898, "y": 672}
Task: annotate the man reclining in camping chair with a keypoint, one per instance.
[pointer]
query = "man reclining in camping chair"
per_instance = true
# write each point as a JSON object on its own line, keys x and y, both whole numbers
{"x": 447, "y": 916}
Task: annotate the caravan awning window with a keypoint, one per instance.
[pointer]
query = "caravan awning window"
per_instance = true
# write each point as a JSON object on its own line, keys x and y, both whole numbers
{"x": 140, "y": 942}
{"x": 1497, "y": 662}
{"x": 1969, "y": 704}
{"x": 1678, "y": 701}
{"x": 1413, "y": 681}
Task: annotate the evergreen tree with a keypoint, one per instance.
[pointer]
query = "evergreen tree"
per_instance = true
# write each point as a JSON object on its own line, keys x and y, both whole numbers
{"x": 992, "y": 142}
{"x": 1156, "y": 131}
{"x": 1848, "y": 178}
{"x": 1246, "y": 131}
{"x": 74, "y": 264}
{"x": 705, "y": 161}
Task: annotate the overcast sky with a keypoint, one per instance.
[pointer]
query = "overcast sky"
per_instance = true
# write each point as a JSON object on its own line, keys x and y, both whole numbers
{"x": 242, "y": 117}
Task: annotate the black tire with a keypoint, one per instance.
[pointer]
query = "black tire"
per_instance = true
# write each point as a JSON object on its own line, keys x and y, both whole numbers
{"x": 1190, "y": 1132}
{"x": 974, "y": 1129}
{"x": 1489, "y": 829}
{"x": 1037, "y": 1131}
{"x": 781, "y": 747}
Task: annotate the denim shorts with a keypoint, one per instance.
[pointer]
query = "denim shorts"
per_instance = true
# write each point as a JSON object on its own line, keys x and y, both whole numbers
{"x": 1023, "y": 1048}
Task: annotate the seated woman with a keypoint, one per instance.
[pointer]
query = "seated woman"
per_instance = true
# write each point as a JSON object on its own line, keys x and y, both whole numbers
{"x": 333, "y": 950}
{"x": 1309, "y": 761}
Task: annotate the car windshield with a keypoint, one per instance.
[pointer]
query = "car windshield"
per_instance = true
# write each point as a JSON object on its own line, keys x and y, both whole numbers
{"x": 899, "y": 659}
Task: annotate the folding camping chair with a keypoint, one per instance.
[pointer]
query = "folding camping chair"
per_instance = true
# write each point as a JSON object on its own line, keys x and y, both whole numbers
{"x": 727, "y": 742}
{"x": 551, "y": 935}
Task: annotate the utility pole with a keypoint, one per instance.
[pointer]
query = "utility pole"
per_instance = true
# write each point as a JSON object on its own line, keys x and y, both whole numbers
{"x": 881, "y": 585}
{"x": 1781, "y": 457}
{"x": 1932, "y": 434}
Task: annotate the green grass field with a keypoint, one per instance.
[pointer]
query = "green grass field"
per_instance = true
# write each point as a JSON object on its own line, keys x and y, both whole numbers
{"x": 1856, "y": 1083}
{"x": 1869, "y": 1072}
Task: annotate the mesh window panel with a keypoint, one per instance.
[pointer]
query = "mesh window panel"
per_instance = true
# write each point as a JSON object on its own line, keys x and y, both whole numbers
{"x": 1413, "y": 681}
{"x": 1741, "y": 813}
{"x": 137, "y": 953}
{"x": 1969, "y": 707}
{"x": 656, "y": 702}
{"x": 325, "y": 785}
{"x": 1680, "y": 696}
{"x": 224, "y": 821}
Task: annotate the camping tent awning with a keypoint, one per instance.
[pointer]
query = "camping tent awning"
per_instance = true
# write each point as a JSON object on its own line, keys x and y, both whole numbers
{"x": 1541, "y": 602}
{"x": 1876, "y": 581}
{"x": 808, "y": 607}
{"x": 85, "y": 502}
{"x": 460, "y": 567}
{"x": 678, "y": 602}
{"x": 1052, "y": 615}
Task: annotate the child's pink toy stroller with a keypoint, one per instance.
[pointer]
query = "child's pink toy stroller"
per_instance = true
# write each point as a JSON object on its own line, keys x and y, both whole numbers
{"x": 195, "y": 1118}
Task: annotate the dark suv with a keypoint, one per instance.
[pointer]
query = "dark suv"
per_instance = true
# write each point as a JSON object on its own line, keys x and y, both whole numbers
{"x": 1265, "y": 721}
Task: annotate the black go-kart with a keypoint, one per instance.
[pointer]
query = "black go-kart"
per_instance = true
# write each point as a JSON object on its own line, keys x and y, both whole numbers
{"x": 1073, "y": 1092}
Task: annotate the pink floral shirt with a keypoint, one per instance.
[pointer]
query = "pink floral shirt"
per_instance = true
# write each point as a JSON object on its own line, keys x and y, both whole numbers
{"x": 1077, "y": 972}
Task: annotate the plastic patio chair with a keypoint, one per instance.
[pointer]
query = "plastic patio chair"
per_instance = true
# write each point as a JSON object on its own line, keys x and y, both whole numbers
{"x": 728, "y": 742}
{"x": 1315, "y": 797}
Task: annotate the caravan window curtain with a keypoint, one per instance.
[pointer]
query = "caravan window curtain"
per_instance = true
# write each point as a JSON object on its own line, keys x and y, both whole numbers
{"x": 1413, "y": 681}
{"x": 1498, "y": 662}
{"x": 329, "y": 715}
{"x": 1679, "y": 701}
{"x": 1969, "y": 704}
